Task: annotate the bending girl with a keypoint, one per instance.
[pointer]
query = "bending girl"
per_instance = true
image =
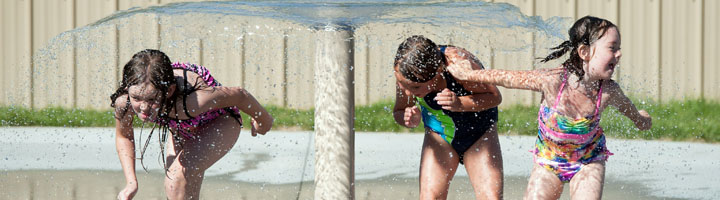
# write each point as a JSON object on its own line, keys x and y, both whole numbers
{"x": 459, "y": 117}
{"x": 202, "y": 117}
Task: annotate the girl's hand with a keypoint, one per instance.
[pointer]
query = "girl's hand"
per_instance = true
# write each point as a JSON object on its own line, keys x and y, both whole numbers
{"x": 461, "y": 70}
{"x": 259, "y": 127}
{"x": 647, "y": 120}
{"x": 129, "y": 191}
{"x": 448, "y": 100}
{"x": 412, "y": 116}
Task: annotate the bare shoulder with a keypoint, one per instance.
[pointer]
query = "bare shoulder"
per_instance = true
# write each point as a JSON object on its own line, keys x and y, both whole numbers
{"x": 189, "y": 79}
{"x": 550, "y": 78}
{"x": 122, "y": 107}
{"x": 613, "y": 93}
{"x": 611, "y": 87}
{"x": 459, "y": 52}
{"x": 461, "y": 56}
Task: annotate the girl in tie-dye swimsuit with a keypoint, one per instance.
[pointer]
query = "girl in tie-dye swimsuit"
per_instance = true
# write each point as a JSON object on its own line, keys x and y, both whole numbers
{"x": 564, "y": 143}
{"x": 569, "y": 147}
{"x": 186, "y": 102}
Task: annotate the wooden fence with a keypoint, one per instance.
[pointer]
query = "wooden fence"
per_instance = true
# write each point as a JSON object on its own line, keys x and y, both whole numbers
{"x": 670, "y": 51}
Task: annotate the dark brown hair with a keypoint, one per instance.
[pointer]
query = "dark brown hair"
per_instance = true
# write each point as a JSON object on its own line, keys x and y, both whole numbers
{"x": 585, "y": 31}
{"x": 154, "y": 67}
{"x": 418, "y": 59}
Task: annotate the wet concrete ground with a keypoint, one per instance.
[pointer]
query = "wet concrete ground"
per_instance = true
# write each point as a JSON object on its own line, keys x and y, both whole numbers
{"x": 81, "y": 163}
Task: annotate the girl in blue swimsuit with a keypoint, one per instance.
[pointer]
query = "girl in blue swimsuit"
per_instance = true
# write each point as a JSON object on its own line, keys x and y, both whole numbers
{"x": 459, "y": 118}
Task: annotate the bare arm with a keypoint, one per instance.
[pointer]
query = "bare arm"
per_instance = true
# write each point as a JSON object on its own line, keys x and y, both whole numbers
{"x": 484, "y": 96}
{"x": 480, "y": 101}
{"x": 221, "y": 97}
{"x": 405, "y": 112}
{"x": 527, "y": 79}
{"x": 466, "y": 67}
{"x": 641, "y": 118}
{"x": 125, "y": 144}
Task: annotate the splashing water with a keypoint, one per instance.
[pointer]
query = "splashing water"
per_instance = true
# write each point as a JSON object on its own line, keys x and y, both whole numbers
{"x": 267, "y": 46}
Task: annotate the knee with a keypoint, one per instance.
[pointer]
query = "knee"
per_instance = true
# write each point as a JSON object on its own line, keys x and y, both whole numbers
{"x": 180, "y": 185}
{"x": 175, "y": 187}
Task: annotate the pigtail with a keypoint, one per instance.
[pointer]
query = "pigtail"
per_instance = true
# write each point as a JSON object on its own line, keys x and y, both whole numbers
{"x": 585, "y": 31}
{"x": 563, "y": 48}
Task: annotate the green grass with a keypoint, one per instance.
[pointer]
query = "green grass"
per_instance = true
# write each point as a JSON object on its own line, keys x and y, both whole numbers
{"x": 691, "y": 120}
{"x": 19, "y": 116}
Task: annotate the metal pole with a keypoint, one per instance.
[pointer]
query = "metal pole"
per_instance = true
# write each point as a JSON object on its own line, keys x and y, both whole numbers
{"x": 334, "y": 114}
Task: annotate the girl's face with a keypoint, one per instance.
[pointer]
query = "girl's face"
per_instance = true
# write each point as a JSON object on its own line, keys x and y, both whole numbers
{"x": 605, "y": 55}
{"x": 414, "y": 88}
{"x": 145, "y": 100}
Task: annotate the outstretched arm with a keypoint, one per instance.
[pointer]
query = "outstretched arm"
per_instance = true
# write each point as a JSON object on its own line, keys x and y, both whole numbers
{"x": 527, "y": 80}
{"x": 125, "y": 146}
{"x": 467, "y": 70}
{"x": 221, "y": 97}
{"x": 641, "y": 118}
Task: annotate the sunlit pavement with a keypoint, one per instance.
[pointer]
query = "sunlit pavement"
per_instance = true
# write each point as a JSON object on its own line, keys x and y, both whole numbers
{"x": 668, "y": 169}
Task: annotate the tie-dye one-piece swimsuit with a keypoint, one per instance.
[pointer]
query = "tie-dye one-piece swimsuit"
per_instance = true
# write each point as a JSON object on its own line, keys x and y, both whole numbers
{"x": 565, "y": 144}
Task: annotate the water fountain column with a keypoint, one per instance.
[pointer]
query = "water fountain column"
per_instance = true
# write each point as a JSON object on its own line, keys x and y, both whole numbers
{"x": 334, "y": 114}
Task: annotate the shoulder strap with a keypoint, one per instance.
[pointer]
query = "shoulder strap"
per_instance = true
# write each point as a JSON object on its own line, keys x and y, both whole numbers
{"x": 185, "y": 93}
{"x": 565, "y": 78}
{"x": 599, "y": 99}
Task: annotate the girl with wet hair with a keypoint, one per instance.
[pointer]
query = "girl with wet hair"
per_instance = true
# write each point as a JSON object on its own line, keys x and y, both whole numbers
{"x": 459, "y": 117}
{"x": 185, "y": 102}
{"x": 570, "y": 145}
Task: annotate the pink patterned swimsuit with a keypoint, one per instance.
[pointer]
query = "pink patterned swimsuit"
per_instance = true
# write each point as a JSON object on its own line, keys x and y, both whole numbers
{"x": 565, "y": 144}
{"x": 186, "y": 127}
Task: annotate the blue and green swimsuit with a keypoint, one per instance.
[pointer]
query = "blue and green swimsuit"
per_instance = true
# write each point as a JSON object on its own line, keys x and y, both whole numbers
{"x": 459, "y": 129}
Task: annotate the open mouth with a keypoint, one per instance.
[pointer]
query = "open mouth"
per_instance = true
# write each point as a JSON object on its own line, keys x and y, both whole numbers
{"x": 144, "y": 116}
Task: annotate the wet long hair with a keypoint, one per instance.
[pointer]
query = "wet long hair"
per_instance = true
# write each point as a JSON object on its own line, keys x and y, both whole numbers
{"x": 419, "y": 58}
{"x": 585, "y": 31}
{"x": 153, "y": 67}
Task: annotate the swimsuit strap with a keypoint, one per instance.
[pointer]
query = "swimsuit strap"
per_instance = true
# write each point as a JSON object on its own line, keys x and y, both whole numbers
{"x": 599, "y": 99}
{"x": 185, "y": 93}
{"x": 561, "y": 89}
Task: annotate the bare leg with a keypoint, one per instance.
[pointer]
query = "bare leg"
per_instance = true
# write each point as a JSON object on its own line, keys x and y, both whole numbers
{"x": 438, "y": 164}
{"x": 483, "y": 162}
{"x": 185, "y": 173}
{"x": 543, "y": 184}
{"x": 588, "y": 182}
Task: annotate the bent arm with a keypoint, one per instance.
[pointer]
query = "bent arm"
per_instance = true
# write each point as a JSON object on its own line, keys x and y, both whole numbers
{"x": 221, "y": 97}
{"x": 641, "y": 119}
{"x": 484, "y": 96}
{"x": 402, "y": 101}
